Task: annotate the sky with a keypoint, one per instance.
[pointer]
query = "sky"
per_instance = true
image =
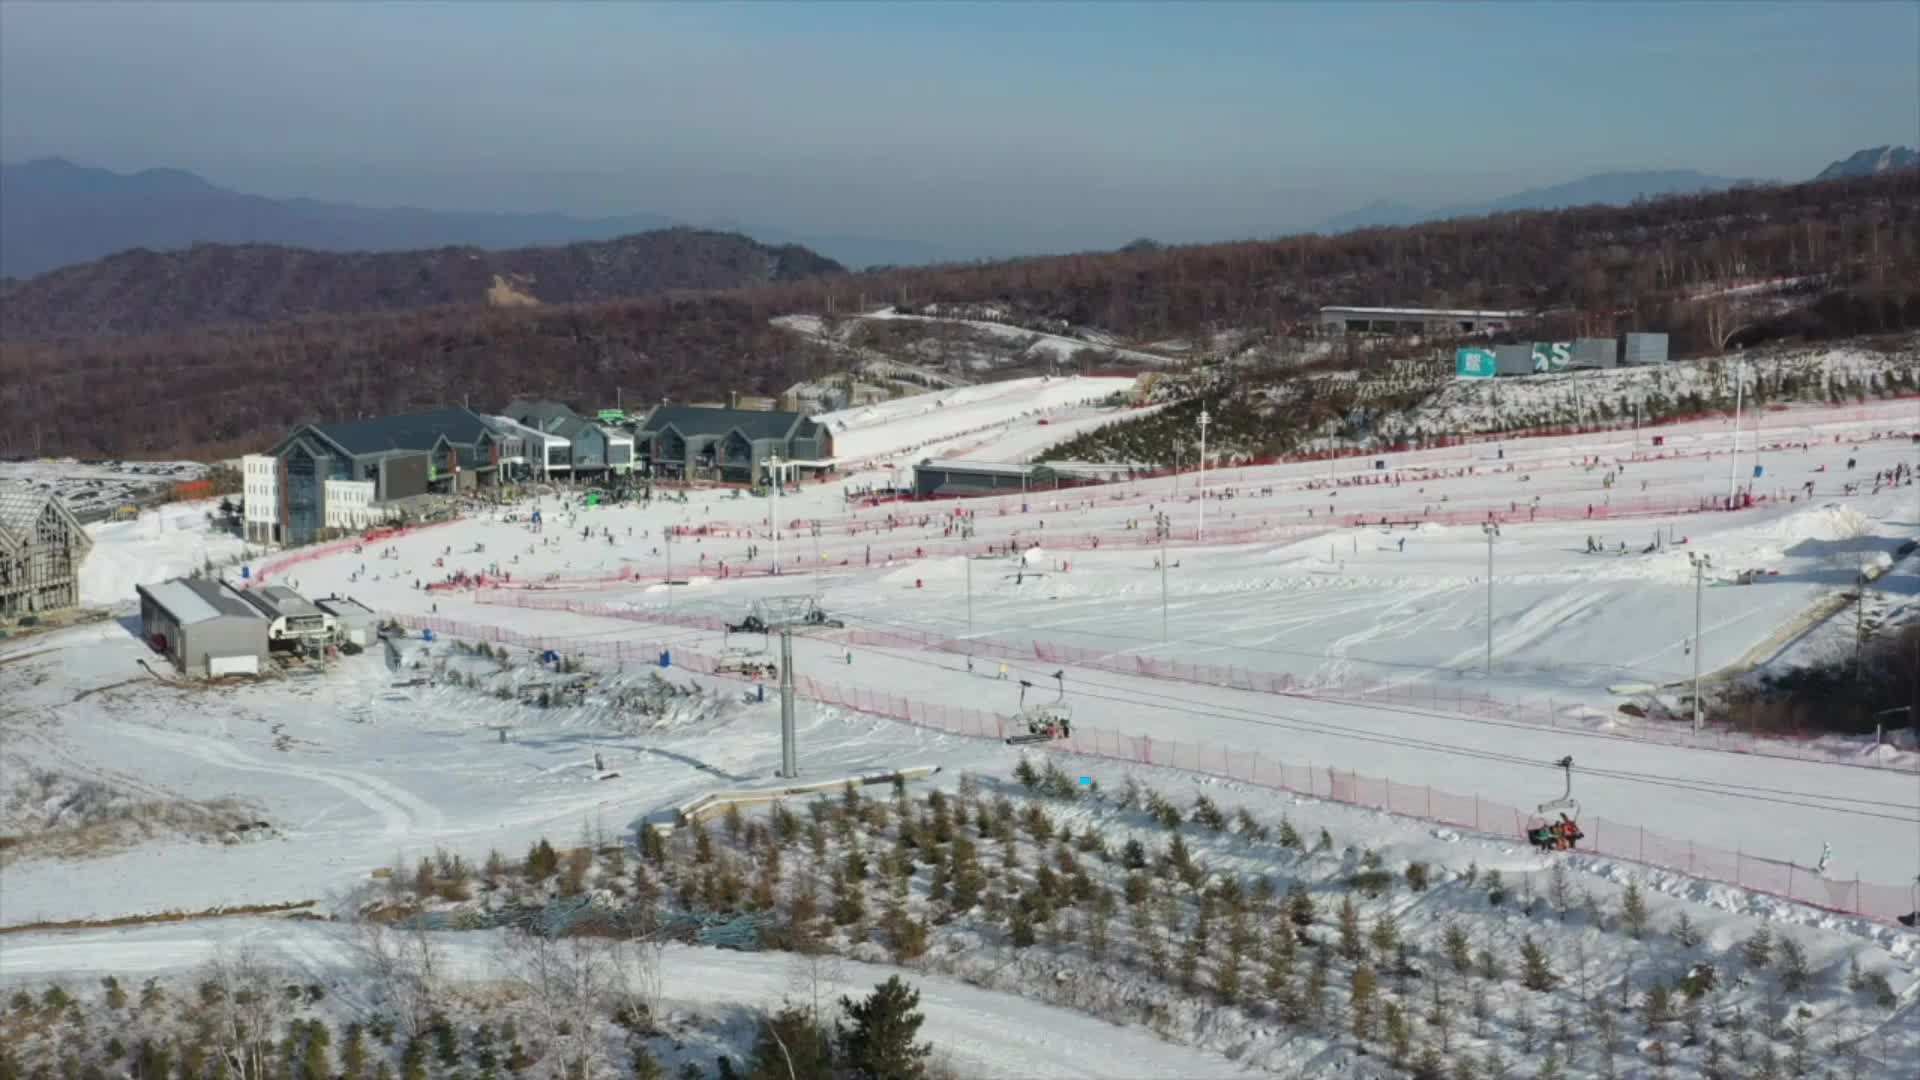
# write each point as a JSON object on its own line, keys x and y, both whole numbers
{"x": 996, "y": 126}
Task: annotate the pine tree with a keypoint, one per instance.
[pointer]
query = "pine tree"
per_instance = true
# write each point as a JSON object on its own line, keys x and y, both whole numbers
{"x": 1560, "y": 889}
{"x": 1537, "y": 972}
{"x": 1349, "y": 921}
{"x": 791, "y": 1046}
{"x": 1300, "y": 907}
{"x": 1685, "y": 932}
{"x": 1399, "y": 1034}
{"x": 1633, "y": 910}
{"x": 1289, "y": 836}
{"x": 1133, "y": 854}
{"x": 1385, "y": 935}
{"x": 116, "y": 994}
{"x": 1360, "y": 1000}
{"x": 1794, "y": 975}
{"x": 1757, "y": 950}
{"x": 1454, "y": 940}
{"x": 878, "y": 1044}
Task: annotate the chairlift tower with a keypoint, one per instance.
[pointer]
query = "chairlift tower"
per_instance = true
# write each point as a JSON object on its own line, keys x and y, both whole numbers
{"x": 782, "y": 614}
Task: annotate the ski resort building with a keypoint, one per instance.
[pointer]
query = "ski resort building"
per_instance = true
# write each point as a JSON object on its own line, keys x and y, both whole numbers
{"x": 966, "y": 479}
{"x": 336, "y": 478}
{"x": 205, "y": 627}
{"x": 592, "y": 449}
{"x": 696, "y": 442}
{"x": 1439, "y": 322}
{"x": 41, "y": 547}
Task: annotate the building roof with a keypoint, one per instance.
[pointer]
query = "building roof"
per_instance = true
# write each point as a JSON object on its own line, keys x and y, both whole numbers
{"x": 507, "y": 425}
{"x": 280, "y": 602}
{"x": 343, "y": 606}
{"x": 981, "y": 468}
{"x": 196, "y": 600}
{"x": 411, "y": 431}
{"x": 21, "y": 506}
{"x": 1421, "y": 313}
{"x": 753, "y": 423}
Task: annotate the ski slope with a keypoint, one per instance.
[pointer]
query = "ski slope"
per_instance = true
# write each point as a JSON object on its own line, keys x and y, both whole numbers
{"x": 354, "y": 771}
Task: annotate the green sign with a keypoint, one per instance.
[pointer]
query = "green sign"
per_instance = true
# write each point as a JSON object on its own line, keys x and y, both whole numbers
{"x": 1474, "y": 363}
{"x": 612, "y": 416}
{"x": 1552, "y": 355}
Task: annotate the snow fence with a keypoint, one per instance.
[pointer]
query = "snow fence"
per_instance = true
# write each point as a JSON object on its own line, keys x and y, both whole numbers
{"x": 1612, "y": 839}
{"x": 1428, "y": 696}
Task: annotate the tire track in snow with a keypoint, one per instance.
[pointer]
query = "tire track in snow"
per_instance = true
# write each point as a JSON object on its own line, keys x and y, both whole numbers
{"x": 400, "y": 811}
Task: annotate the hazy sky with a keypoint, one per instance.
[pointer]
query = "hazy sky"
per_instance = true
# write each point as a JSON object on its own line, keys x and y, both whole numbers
{"x": 951, "y": 122}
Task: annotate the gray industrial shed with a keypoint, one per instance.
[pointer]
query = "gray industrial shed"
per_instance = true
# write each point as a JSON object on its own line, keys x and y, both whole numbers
{"x": 963, "y": 479}
{"x": 732, "y": 445}
{"x": 203, "y": 626}
{"x": 357, "y": 622}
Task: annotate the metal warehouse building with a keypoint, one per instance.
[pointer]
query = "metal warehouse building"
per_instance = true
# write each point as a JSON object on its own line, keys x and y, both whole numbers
{"x": 961, "y": 479}
{"x": 204, "y": 627}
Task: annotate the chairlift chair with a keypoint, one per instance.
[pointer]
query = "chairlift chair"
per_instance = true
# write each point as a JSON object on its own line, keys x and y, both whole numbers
{"x": 1053, "y": 720}
{"x": 1566, "y": 803}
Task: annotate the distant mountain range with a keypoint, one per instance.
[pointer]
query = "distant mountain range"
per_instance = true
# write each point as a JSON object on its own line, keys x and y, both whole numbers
{"x": 56, "y": 213}
{"x": 1613, "y": 189}
{"x": 224, "y": 284}
{"x": 1871, "y": 161}
{"x": 1610, "y": 189}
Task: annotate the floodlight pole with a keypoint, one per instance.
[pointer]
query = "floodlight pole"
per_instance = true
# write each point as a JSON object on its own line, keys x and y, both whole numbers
{"x": 1733, "y": 463}
{"x": 773, "y": 516}
{"x": 669, "y": 567}
{"x": 1700, "y": 565}
{"x": 1492, "y": 531}
{"x": 1201, "y": 532}
{"x": 789, "y": 764}
{"x": 969, "y": 560}
{"x": 1163, "y": 583}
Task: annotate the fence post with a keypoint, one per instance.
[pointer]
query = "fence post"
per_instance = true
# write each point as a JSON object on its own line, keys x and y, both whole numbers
{"x": 1476, "y": 813}
{"x": 1429, "y": 802}
{"x": 1643, "y": 843}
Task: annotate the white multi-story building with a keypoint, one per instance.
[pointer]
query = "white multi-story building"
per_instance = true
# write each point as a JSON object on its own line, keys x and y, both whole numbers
{"x": 260, "y": 496}
{"x": 350, "y": 505}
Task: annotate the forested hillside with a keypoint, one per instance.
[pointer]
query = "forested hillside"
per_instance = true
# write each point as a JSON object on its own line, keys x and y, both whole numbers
{"x": 1853, "y": 245}
{"x": 211, "y": 285}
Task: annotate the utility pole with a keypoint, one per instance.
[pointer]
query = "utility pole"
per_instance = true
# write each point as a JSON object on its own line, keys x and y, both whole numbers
{"x": 773, "y": 517}
{"x": 1163, "y": 583}
{"x": 789, "y": 754}
{"x": 1492, "y": 532}
{"x": 1860, "y": 627}
{"x": 1201, "y": 532}
{"x": 669, "y": 531}
{"x": 1700, "y": 565}
{"x": 969, "y": 594}
{"x": 1733, "y": 463}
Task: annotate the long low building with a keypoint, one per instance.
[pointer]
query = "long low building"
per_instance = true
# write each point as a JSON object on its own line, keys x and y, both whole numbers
{"x": 205, "y": 627}
{"x": 964, "y": 479}
{"x": 1400, "y": 320}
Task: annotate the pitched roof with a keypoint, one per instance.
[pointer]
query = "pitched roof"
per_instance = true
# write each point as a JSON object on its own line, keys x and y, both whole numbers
{"x": 412, "y": 431}
{"x": 20, "y": 508}
{"x": 754, "y": 424}
{"x": 193, "y": 600}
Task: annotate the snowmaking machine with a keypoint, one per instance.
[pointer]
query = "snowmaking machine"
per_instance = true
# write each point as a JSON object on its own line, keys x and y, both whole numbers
{"x": 1044, "y": 723}
{"x": 1558, "y": 826}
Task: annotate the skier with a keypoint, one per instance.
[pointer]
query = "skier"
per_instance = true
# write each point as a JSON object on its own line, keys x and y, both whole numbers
{"x": 1403, "y": 545}
{"x": 1826, "y": 856}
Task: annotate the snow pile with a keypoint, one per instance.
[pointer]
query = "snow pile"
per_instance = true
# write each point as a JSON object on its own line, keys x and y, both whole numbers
{"x": 163, "y": 543}
{"x": 868, "y": 432}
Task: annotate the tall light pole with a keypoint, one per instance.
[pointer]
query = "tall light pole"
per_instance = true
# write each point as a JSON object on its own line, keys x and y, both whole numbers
{"x": 1701, "y": 563}
{"x": 773, "y": 516}
{"x": 969, "y": 560}
{"x": 1201, "y": 532}
{"x": 1492, "y": 532}
{"x": 1733, "y": 463}
{"x": 1163, "y": 581}
{"x": 669, "y": 568}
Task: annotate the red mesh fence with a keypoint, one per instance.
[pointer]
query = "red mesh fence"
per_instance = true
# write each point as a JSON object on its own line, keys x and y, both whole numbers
{"x": 1630, "y": 843}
